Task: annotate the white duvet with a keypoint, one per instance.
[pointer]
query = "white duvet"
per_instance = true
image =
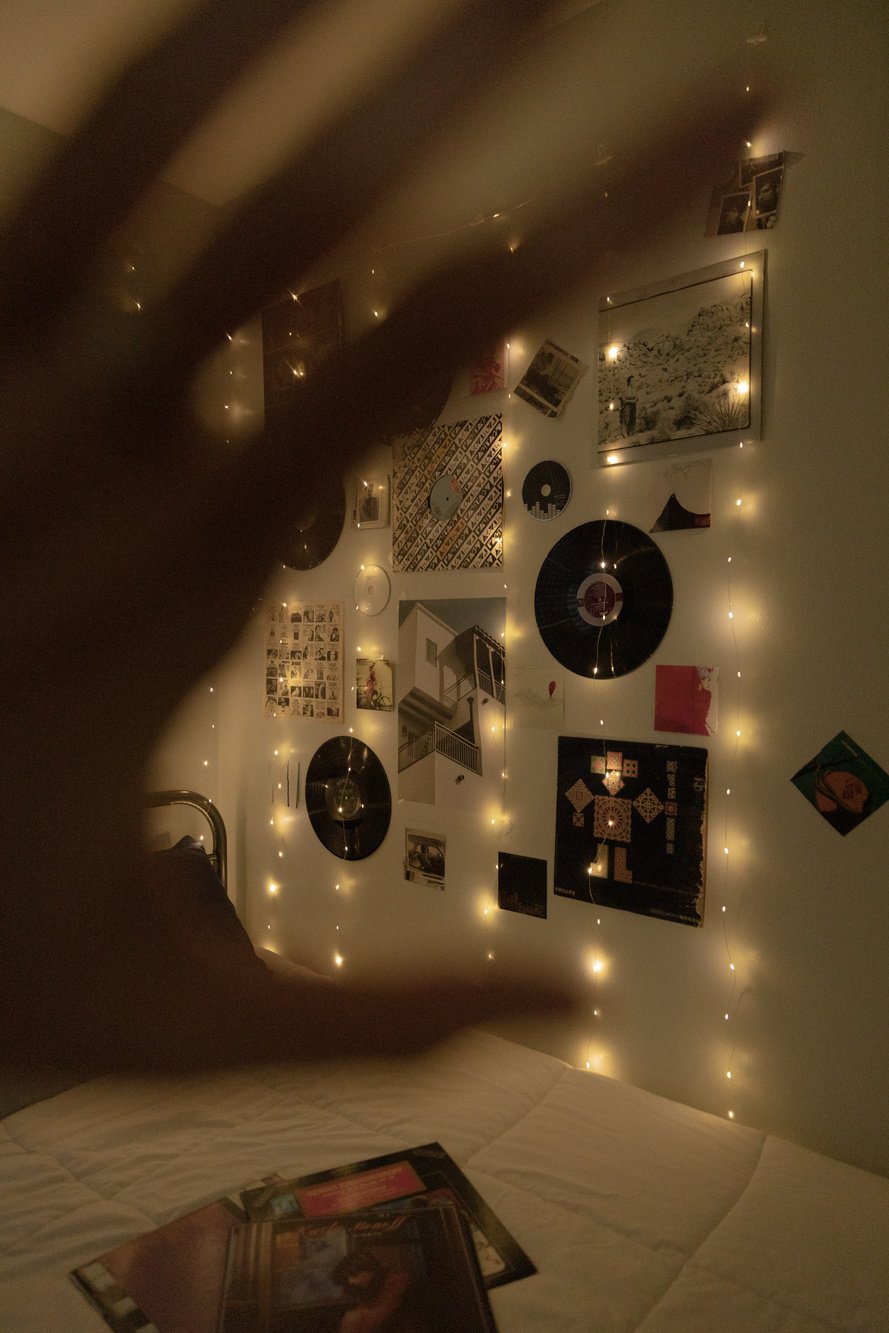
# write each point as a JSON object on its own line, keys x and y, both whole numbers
{"x": 639, "y": 1213}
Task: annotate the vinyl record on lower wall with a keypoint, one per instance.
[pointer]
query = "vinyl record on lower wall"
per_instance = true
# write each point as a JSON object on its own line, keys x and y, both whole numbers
{"x": 348, "y": 798}
{"x": 316, "y": 530}
{"x": 603, "y": 599}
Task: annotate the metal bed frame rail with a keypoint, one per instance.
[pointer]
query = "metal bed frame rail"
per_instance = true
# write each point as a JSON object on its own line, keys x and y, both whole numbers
{"x": 219, "y": 845}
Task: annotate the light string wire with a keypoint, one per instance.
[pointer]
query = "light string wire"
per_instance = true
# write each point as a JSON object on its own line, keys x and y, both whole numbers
{"x": 731, "y": 1008}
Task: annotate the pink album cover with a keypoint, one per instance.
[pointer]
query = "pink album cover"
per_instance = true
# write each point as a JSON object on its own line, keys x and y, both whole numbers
{"x": 685, "y": 699}
{"x": 487, "y": 371}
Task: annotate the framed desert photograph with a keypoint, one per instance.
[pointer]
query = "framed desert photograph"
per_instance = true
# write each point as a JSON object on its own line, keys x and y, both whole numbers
{"x": 679, "y": 363}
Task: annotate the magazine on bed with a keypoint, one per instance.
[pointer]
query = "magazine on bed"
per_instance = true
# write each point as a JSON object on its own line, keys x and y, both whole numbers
{"x": 411, "y": 1269}
{"x": 388, "y": 1181}
{"x": 170, "y": 1278}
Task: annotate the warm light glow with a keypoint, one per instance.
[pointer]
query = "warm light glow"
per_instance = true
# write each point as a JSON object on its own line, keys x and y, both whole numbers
{"x": 613, "y": 352}
{"x": 596, "y": 965}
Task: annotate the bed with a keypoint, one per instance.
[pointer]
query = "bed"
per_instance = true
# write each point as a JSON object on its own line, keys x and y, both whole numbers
{"x": 639, "y": 1213}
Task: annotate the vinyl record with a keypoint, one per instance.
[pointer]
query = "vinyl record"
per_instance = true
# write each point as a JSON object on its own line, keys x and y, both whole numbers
{"x": 603, "y": 599}
{"x": 348, "y": 798}
{"x": 371, "y": 590}
{"x": 546, "y": 490}
{"x": 445, "y": 497}
{"x": 317, "y": 530}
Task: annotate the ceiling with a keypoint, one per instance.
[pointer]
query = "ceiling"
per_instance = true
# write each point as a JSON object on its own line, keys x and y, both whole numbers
{"x": 56, "y": 54}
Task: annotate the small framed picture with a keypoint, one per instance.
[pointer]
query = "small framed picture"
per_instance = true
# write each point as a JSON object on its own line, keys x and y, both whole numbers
{"x": 373, "y": 684}
{"x": 371, "y": 508}
{"x": 424, "y": 858}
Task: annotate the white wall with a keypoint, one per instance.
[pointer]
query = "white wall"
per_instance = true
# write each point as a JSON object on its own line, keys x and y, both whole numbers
{"x": 806, "y": 920}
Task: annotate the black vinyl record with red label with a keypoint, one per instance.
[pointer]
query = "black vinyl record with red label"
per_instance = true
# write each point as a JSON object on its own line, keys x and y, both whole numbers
{"x": 603, "y": 599}
{"x": 348, "y": 797}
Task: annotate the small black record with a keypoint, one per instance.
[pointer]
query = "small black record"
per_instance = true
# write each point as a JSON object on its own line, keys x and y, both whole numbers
{"x": 348, "y": 797}
{"x": 546, "y": 489}
{"x": 603, "y": 599}
{"x": 316, "y": 530}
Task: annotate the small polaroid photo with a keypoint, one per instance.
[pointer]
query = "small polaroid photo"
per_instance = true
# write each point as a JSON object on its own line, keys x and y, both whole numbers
{"x": 373, "y": 684}
{"x": 371, "y": 507}
{"x": 550, "y": 379}
{"x": 749, "y": 200}
{"x": 424, "y": 858}
{"x": 733, "y": 210}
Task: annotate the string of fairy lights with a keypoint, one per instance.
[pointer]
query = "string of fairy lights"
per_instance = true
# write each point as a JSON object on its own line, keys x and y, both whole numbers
{"x": 285, "y": 768}
{"x": 596, "y": 962}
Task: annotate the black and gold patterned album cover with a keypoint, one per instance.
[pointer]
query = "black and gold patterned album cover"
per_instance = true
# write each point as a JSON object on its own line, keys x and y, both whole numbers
{"x": 631, "y": 826}
{"x": 447, "y": 491}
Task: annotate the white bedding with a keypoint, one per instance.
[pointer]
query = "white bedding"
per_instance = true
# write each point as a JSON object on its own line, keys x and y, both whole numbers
{"x": 639, "y": 1213}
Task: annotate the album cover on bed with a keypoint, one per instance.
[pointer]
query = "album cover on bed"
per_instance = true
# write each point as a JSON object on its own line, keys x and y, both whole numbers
{"x": 427, "y": 1171}
{"x": 410, "y": 1268}
{"x": 170, "y": 1278}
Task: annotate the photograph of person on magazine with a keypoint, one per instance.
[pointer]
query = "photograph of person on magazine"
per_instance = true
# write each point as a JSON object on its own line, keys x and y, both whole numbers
{"x": 384, "y": 1289}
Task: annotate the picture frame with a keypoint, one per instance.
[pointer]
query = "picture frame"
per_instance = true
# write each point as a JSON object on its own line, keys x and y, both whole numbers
{"x": 370, "y": 508}
{"x": 679, "y": 363}
{"x": 424, "y": 858}
{"x": 374, "y": 684}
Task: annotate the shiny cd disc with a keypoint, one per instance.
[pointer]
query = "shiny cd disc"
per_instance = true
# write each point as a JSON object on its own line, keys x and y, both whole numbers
{"x": 603, "y": 599}
{"x": 316, "y": 530}
{"x": 445, "y": 497}
{"x": 348, "y": 798}
{"x": 371, "y": 590}
{"x": 546, "y": 490}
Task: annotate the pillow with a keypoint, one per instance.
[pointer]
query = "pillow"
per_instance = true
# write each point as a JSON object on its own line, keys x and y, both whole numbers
{"x": 20, "y": 1088}
{"x": 190, "y": 891}
{"x": 282, "y": 967}
{"x": 191, "y": 895}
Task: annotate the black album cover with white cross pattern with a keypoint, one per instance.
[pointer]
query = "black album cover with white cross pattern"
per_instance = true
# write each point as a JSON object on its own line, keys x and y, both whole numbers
{"x": 631, "y": 826}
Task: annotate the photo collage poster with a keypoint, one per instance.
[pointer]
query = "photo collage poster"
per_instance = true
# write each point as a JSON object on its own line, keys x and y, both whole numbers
{"x": 304, "y": 661}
